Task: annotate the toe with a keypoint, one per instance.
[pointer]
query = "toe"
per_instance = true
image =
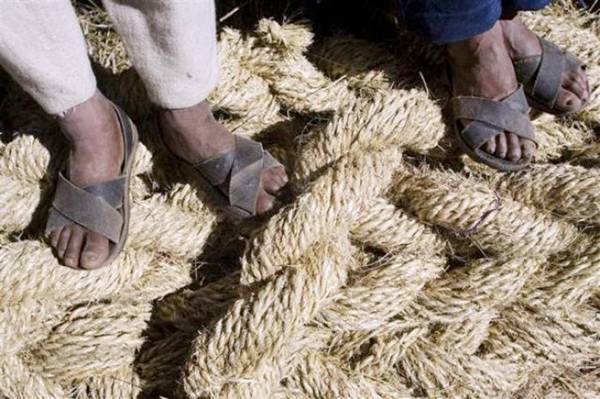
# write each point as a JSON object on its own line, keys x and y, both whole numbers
{"x": 528, "y": 148}
{"x": 490, "y": 146}
{"x": 568, "y": 100}
{"x": 581, "y": 74}
{"x": 514, "y": 147}
{"x": 73, "y": 252}
{"x": 501, "y": 146}
{"x": 63, "y": 241}
{"x": 54, "y": 237}
{"x": 583, "y": 82}
{"x": 95, "y": 251}
{"x": 574, "y": 86}
{"x": 274, "y": 179}
{"x": 264, "y": 203}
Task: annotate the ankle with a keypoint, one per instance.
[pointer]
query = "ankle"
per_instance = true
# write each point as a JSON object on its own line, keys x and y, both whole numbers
{"x": 90, "y": 122}
{"x": 484, "y": 49}
{"x": 94, "y": 132}
{"x": 518, "y": 39}
{"x": 193, "y": 133}
{"x": 467, "y": 48}
{"x": 181, "y": 119}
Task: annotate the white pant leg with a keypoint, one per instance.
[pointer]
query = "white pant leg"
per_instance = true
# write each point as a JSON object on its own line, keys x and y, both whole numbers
{"x": 172, "y": 45}
{"x": 43, "y": 49}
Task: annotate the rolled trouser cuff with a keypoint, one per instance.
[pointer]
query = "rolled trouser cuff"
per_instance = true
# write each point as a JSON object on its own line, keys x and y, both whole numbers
{"x": 56, "y": 102}
{"x": 182, "y": 89}
{"x": 172, "y": 45}
{"x": 43, "y": 49}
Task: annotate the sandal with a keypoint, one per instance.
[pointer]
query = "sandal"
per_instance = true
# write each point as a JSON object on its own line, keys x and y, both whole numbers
{"x": 102, "y": 208}
{"x": 234, "y": 179}
{"x": 541, "y": 76}
{"x": 490, "y": 118}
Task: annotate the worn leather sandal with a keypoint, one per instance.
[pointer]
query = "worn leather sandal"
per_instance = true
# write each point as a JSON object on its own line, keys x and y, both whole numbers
{"x": 541, "y": 75}
{"x": 102, "y": 208}
{"x": 488, "y": 119}
{"x": 234, "y": 178}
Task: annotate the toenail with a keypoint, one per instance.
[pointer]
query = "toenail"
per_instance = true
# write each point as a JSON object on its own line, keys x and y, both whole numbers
{"x": 268, "y": 207}
{"x": 90, "y": 257}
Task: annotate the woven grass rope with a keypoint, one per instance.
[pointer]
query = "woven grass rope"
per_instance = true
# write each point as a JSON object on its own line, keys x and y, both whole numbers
{"x": 396, "y": 268}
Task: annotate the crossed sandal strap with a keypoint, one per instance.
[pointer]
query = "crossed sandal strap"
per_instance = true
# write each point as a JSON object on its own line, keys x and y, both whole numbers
{"x": 241, "y": 169}
{"x": 96, "y": 208}
{"x": 493, "y": 117}
{"x": 542, "y": 74}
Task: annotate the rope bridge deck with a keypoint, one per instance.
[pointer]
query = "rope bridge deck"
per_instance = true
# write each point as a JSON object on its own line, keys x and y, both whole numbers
{"x": 397, "y": 269}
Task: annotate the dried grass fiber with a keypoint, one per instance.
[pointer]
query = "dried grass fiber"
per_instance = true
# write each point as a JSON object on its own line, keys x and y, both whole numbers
{"x": 396, "y": 269}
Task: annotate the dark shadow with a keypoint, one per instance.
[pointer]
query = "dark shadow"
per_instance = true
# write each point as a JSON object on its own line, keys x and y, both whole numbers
{"x": 21, "y": 116}
{"x": 411, "y": 62}
{"x": 370, "y": 19}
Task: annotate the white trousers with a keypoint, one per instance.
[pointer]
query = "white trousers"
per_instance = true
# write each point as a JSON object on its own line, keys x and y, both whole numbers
{"x": 171, "y": 43}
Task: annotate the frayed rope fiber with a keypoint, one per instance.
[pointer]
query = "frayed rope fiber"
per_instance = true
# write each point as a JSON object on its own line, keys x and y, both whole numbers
{"x": 396, "y": 269}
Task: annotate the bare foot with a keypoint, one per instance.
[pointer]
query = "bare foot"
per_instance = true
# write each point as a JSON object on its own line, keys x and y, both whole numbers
{"x": 521, "y": 43}
{"x": 96, "y": 156}
{"x": 194, "y": 135}
{"x": 481, "y": 67}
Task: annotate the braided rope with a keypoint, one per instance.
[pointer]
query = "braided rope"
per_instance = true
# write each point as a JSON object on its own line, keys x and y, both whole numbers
{"x": 392, "y": 273}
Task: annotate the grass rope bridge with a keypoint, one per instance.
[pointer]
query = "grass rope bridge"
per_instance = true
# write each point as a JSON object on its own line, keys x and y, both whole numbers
{"x": 396, "y": 269}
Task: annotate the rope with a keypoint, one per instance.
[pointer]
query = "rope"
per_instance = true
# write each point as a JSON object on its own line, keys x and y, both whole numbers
{"x": 396, "y": 269}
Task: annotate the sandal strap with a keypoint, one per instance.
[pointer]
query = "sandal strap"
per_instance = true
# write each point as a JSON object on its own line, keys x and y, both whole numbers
{"x": 549, "y": 75}
{"x": 526, "y": 68}
{"x": 94, "y": 208}
{"x": 270, "y": 162}
{"x": 241, "y": 169}
{"x": 492, "y": 117}
{"x": 244, "y": 184}
{"x": 112, "y": 191}
{"x": 127, "y": 130}
{"x": 216, "y": 170}
{"x": 542, "y": 74}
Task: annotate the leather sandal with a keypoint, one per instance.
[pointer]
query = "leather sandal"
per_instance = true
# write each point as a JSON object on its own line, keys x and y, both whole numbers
{"x": 542, "y": 74}
{"x": 234, "y": 178}
{"x": 488, "y": 119}
{"x": 102, "y": 208}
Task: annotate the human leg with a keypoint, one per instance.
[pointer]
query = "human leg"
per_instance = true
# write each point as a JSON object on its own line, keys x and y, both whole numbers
{"x": 478, "y": 59}
{"x": 43, "y": 49}
{"x": 524, "y": 46}
{"x": 174, "y": 49}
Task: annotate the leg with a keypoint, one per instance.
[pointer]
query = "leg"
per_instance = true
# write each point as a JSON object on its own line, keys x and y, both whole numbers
{"x": 481, "y": 67}
{"x": 522, "y": 43}
{"x": 172, "y": 45}
{"x": 479, "y": 61}
{"x": 174, "y": 49}
{"x": 42, "y": 47}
